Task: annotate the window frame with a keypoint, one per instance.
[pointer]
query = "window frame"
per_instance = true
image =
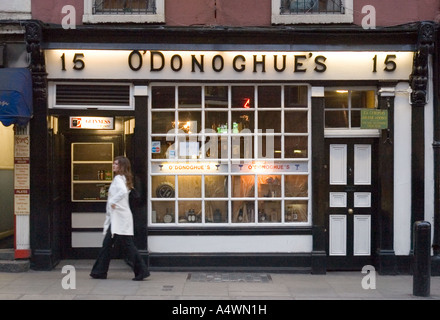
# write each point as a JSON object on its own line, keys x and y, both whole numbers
{"x": 313, "y": 18}
{"x": 89, "y": 17}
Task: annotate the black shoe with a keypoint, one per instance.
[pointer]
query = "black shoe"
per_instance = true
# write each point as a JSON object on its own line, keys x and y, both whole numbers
{"x": 98, "y": 276}
{"x": 141, "y": 276}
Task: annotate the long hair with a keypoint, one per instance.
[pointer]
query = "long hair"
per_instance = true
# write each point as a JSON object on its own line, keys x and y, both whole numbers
{"x": 125, "y": 170}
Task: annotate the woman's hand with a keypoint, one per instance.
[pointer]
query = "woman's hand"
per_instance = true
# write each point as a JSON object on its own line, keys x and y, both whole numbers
{"x": 113, "y": 206}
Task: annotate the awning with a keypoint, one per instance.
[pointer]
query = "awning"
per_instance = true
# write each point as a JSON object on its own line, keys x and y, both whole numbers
{"x": 15, "y": 96}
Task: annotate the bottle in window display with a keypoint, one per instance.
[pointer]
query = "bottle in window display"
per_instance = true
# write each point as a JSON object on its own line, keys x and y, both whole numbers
{"x": 240, "y": 215}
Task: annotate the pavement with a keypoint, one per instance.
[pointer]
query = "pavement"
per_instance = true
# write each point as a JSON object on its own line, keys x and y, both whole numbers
{"x": 70, "y": 280}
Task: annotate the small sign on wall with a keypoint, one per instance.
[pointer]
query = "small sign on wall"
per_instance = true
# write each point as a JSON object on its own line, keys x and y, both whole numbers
{"x": 374, "y": 119}
{"x": 97, "y": 123}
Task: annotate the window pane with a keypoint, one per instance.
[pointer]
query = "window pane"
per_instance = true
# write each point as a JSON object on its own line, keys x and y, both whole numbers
{"x": 162, "y": 187}
{"x": 190, "y": 97}
{"x": 295, "y": 97}
{"x": 269, "y": 211}
{"x": 242, "y": 147}
{"x": 336, "y": 99}
{"x": 269, "y": 121}
{"x": 296, "y": 122}
{"x": 216, "y": 97}
{"x": 190, "y": 121}
{"x": 269, "y": 186}
{"x": 269, "y": 147}
{"x": 269, "y": 97}
{"x": 356, "y": 119}
{"x": 166, "y": 151}
{"x": 296, "y": 147}
{"x": 163, "y": 97}
{"x": 217, "y": 121}
{"x": 311, "y": 6}
{"x": 243, "y": 186}
{"x": 124, "y": 6}
{"x": 336, "y": 119}
{"x": 216, "y": 211}
{"x": 216, "y": 186}
{"x": 363, "y": 99}
{"x": 243, "y": 212}
{"x": 190, "y": 186}
{"x": 162, "y": 122}
{"x": 216, "y": 147}
{"x": 243, "y": 97}
{"x": 162, "y": 212}
{"x": 244, "y": 120}
{"x": 190, "y": 211}
{"x": 295, "y": 186}
{"x": 296, "y": 211}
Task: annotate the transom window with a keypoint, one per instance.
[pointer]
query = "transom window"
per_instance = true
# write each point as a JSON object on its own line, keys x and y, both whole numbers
{"x": 124, "y": 11}
{"x": 312, "y": 11}
{"x": 231, "y": 154}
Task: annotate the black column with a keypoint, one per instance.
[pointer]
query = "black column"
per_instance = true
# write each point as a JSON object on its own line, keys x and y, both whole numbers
{"x": 386, "y": 258}
{"x": 319, "y": 255}
{"x": 141, "y": 173}
{"x": 42, "y": 238}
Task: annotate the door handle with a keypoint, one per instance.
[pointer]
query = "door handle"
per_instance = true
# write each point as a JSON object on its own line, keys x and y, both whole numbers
{"x": 350, "y": 211}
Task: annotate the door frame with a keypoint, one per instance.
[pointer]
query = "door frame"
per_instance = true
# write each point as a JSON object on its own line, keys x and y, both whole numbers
{"x": 349, "y": 262}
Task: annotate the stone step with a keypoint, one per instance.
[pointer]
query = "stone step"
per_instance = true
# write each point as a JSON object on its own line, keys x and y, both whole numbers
{"x": 7, "y": 254}
{"x": 14, "y": 266}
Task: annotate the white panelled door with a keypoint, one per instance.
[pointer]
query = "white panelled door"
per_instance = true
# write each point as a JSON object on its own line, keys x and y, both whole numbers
{"x": 352, "y": 198}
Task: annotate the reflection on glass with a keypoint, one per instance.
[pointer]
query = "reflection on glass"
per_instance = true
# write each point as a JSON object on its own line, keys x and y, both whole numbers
{"x": 295, "y": 122}
{"x": 295, "y": 97}
{"x": 162, "y": 122}
{"x": 216, "y": 96}
{"x": 216, "y": 121}
{"x": 190, "y": 122}
{"x": 163, "y": 97}
{"x": 216, "y": 186}
{"x": 363, "y": 99}
{"x": 243, "y": 211}
{"x": 336, "y": 119}
{"x": 190, "y": 97}
{"x": 269, "y": 211}
{"x": 243, "y": 97}
{"x": 296, "y": 186}
{"x": 162, "y": 212}
{"x": 242, "y": 147}
{"x": 190, "y": 186}
{"x": 243, "y": 186}
{"x": 269, "y": 121}
{"x": 216, "y": 211}
{"x": 216, "y": 147}
{"x": 337, "y": 99}
{"x": 269, "y": 97}
{"x": 243, "y": 121}
{"x": 296, "y": 211}
{"x": 269, "y": 147}
{"x": 296, "y": 147}
{"x": 166, "y": 150}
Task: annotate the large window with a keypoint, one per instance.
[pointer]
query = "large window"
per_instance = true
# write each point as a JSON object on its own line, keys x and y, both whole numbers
{"x": 312, "y": 11}
{"x": 229, "y": 154}
{"x": 124, "y": 11}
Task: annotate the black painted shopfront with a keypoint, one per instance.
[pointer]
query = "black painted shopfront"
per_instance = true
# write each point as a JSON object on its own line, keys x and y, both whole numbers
{"x": 221, "y": 212}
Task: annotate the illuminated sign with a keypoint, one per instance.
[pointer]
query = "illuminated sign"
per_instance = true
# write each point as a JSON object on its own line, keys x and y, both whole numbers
{"x": 227, "y": 65}
{"x": 97, "y": 123}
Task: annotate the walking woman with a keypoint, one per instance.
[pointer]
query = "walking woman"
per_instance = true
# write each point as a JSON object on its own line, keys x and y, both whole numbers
{"x": 118, "y": 225}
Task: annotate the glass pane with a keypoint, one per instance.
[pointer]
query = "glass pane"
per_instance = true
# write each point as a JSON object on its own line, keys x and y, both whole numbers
{"x": 363, "y": 99}
{"x": 243, "y": 186}
{"x": 163, "y": 97}
{"x": 269, "y": 121}
{"x": 216, "y": 147}
{"x": 216, "y": 186}
{"x": 125, "y": 6}
{"x": 90, "y": 191}
{"x": 165, "y": 150}
{"x": 336, "y": 99}
{"x": 269, "y": 97}
{"x": 162, "y": 212}
{"x": 93, "y": 152}
{"x": 244, "y": 121}
{"x": 162, "y": 187}
{"x": 355, "y": 119}
{"x": 243, "y": 211}
{"x": 296, "y": 122}
{"x": 92, "y": 171}
{"x": 162, "y": 122}
{"x": 190, "y": 97}
{"x": 296, "y": 147}
{"x": 295, "y": 97}
{"x": 216, "y": 121}
{"x": 269, "y": 147}
{"x": 216, "y": 211}
{"x": 269, "y": 186}
{"x": 242, "y": 147}
{"x": 189, "y": 148}
{"x": 336, "y": 119}
{"x": 190, "y": 186}
{"x": 190, "y": 121}
{"x": 243, "y": 97}
{"x": 296, "y": 211}
{"x": 190, "y": 211}
{"x": 269, "y": 211}
{"x": 216, "y": 97}
{"x": 296, "y": 186}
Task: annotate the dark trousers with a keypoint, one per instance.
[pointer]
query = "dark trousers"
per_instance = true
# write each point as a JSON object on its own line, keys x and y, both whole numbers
{"x": 132, "y": 255}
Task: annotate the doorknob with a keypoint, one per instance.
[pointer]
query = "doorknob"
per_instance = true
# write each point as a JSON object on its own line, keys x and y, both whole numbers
{"x": 350, "y": 211}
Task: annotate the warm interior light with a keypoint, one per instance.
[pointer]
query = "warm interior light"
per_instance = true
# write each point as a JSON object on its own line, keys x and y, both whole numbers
{"x": 297, "y": 151}
{"x": 342, "y": 91}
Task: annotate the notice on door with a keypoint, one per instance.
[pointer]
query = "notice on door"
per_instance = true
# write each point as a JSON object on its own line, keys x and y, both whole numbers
{"x": 22, "y": 175}
{"x": 374, "y": 119}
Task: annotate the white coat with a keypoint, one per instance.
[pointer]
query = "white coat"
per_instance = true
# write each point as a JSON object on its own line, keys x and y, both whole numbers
{"x": 120, "y": 219}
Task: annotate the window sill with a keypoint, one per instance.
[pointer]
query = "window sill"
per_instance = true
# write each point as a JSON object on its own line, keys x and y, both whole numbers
{"x": 312, "y": 19}
{"x": 111, "y": 18}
